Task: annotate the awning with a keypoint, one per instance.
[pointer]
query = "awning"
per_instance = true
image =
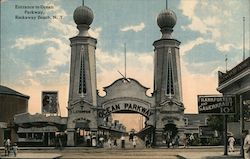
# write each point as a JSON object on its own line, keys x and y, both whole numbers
{"x": 37, "y": 130}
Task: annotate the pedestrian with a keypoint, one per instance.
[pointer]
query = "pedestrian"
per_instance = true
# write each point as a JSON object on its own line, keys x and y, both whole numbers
{"x": 8, "y": 142}
{"x": 110, "y": 142}
{"x": 134, "y": 142}
{"x": 115, "y": 142}
{"x": 191, "y": 139}
{"x": 130, "y": 136}
{"x": 88, "y": 138}
{"x": 176, "y": 141}
{"x": 93, "y": 141}
{"x": 101, "y": 140}
{"x": 15, "y": 147}
{"x": 185, "y": 141}
{"x": 122, "y": 141}
{"x": 247, "y": 146}
{"x": 5, "y": 147}
{"x": 231, "y": 141}
{"x": 146, "y": 141}
{"x": 168, "y": 140}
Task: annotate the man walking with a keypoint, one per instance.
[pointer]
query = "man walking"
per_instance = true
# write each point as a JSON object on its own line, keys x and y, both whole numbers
{"x": 123, "y": 141}
{"x": 247, "y": 146}
{"x": 8, "y": 146}
{"x": 231, "y": 141}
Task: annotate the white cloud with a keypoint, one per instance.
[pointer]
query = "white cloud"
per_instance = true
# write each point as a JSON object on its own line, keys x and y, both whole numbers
{"x": 22, "y": 43}
{"x": 57, "y": 10}
{"x": 186, "y": 47}
{"x": 105, "y": 57}
{"x": 212, "y": 21}
{"x": 135, "y": 28}
{"x": 95, "y": 32}
{"x": 225, "y": 47}
{"x": 57, "y": 55}
{"x": 188, "y": 7}
{"x": 65, "y": 30}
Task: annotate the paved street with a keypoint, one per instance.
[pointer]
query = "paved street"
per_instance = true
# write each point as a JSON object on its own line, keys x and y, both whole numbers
{"x": 118, "y": 153}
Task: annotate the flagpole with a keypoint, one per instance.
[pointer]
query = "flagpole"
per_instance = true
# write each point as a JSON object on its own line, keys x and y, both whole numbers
{"x": 226, "y": 62}
{"x": 243, "y": 38}
{"x": 125, "y": 61}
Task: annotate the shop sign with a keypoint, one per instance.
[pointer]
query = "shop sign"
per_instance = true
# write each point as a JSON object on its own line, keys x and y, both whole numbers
{"x": 216, "y": 104}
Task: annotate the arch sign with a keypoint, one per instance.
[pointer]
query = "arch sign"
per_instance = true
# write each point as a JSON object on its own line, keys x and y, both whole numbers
{"x": 125, "y": 106}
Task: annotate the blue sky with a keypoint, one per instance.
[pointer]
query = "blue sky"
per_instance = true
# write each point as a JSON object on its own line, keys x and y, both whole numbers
{"x": 35, "y": 54}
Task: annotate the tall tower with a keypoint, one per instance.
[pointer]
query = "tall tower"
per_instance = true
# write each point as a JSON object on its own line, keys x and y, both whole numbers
{"x": 167, "y": 80}
{"x": 82, "y": 88}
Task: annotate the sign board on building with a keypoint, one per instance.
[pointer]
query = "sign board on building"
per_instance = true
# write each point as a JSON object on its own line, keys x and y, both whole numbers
{"x": 49, "y": 102}
{"x": 207, "y": 132}
{"x": 216, "y": 104}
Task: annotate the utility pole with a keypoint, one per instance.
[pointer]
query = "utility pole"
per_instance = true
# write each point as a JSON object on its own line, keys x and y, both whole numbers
{"x": 241, "y": 127}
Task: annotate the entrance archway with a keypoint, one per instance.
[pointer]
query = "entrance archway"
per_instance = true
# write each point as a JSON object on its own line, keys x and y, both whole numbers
{"x": 126, "y": 97}
{"x": 170, "y": 134}
{"x": 82, "y": 134}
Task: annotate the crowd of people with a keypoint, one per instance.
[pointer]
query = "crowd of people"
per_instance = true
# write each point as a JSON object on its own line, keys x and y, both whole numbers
{"x": 133, "y": 140}
{"x": 112, "y": 142}
{"x": 174, "y": 141}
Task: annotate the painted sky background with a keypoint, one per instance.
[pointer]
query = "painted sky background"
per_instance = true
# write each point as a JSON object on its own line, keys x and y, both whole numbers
{"x": 35, "y": 54}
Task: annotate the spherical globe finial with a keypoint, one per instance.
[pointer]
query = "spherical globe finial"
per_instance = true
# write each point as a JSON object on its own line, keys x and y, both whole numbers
{"x": 83, "y": 15}
{"x": 166, "y": 19}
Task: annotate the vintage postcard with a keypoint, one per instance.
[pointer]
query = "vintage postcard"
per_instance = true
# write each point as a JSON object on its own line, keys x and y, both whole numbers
{"x": 124, "y": 78}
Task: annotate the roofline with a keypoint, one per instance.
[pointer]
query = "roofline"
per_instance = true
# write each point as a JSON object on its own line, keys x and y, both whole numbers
{"x": 13, "y": 93}
{"x": 128, "y": 79}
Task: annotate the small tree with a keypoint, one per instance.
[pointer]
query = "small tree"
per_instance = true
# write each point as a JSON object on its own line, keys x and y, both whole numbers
{"x": 216, "y": 123}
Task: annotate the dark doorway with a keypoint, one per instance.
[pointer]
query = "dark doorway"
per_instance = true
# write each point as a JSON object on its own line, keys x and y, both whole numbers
{"x": 7, "y": 134}
{"x": 170, "y": 132}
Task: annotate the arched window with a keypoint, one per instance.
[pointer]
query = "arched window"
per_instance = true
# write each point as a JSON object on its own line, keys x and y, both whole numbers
{"x": 82, "y": 81}
{"x": 169, "y": 78}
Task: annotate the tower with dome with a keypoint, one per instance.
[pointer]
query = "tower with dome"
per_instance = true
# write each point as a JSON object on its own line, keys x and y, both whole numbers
{"x": 82, "y": 100}
{"x": 167, "y": 80}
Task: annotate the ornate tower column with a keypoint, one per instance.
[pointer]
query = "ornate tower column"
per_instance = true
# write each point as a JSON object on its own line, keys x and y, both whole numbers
{"x": 82, "y": 88}
{"x": 167, "y": 80}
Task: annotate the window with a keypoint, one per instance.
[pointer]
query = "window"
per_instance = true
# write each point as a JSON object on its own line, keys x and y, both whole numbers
{"x": 185, "y": 121}
{"x": 82, "y": 80}
{"x": 169, "y": 78}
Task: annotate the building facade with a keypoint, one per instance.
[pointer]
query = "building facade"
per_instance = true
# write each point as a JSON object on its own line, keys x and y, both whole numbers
{"x": 237, "y": 82}
{"x": 11, "y": 103}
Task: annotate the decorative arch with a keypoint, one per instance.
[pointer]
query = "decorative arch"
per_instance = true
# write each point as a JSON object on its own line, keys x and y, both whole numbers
{"x": 126, "y": 96}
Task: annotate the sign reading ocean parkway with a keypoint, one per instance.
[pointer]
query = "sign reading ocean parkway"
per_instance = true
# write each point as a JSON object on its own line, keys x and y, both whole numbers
{"x": 117, "y": 107}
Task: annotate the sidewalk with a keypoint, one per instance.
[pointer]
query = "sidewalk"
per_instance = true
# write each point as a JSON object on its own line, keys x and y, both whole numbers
{"x": 209, "y": 155}
{"x": 33, "y": 156}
